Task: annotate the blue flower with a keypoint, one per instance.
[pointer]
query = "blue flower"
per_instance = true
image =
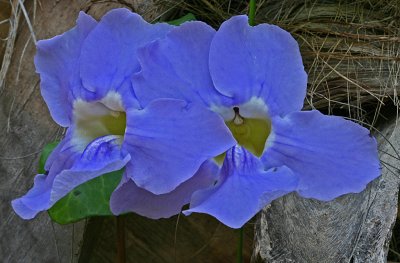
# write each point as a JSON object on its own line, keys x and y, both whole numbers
{"x": 253, "y": 77}
{"x": 86, "y": 83}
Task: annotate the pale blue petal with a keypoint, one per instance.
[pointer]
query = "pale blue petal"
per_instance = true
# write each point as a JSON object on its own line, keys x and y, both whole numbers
{"x": 128, "y": 197}
{"x": 101, "y": 156}
{"x": 243, "y": 189}
{"x": 37, "y": 198}
{"x": 261, "y": 61}
{"x": 70, "y": 168}
{"x": 177, "y": 66}
{"x": 331, "y": 156}
{"x": 170, "y": 139}
{"x": 57, "y": 61}
{"x": 109, "y": 53}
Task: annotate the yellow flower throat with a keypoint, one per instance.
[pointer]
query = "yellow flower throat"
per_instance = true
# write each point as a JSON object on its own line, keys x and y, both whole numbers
{"x": 251, "y": 133}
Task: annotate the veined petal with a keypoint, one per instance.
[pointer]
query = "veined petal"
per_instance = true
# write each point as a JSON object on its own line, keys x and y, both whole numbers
{"x": 103, "y": 155}
{"x": 128, "y": 197}
{"x": 330, "y": 155}
{"x": 57, "y": 61}
{"x": 109, "y": 53}
{"x": 261, "y": 61}
{"x": 68, "y": 170}
{"x": 170, "y": 139}
{"x": 177, "y": 66}
{"x": 37, "y": 198}
{"x": 243, "y": 189}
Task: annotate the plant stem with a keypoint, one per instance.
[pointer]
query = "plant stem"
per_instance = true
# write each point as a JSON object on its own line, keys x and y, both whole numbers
{"x": 121, "y": 256}
{"x": 240, "y": 246}
{"x": 252, "y": 12}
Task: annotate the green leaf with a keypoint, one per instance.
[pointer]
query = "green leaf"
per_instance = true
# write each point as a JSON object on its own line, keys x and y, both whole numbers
{"x": 183, "y": 19}
{"x": 89, "y": 199}
{"x": 45, "y": 154}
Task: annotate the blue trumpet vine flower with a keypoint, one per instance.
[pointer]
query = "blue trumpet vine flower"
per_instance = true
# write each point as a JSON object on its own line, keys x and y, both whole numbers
{"x": 85, "y": 81}
{"x": 254, "y": 78}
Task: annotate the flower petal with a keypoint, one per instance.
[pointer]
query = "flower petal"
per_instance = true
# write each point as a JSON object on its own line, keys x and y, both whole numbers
{"x": 37, "y": 198}
{"x": 170, "y": 139}
{"x": 69, "y": 170}
{"x": 109, "y": 53}
{"x": 57, "y": 62}
{"x": 243, "y": 189}
{"x": 331, "y": 156}
{"x": 261, "y": 61}
{"x": 128, "y": 197}
{"x": 177, "y": 66}
{"x": 103, "y": 155}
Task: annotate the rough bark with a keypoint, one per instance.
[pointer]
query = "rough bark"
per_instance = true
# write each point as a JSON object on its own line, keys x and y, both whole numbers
{"x": 352, "y": 228}
{"x": 25, "y": 128}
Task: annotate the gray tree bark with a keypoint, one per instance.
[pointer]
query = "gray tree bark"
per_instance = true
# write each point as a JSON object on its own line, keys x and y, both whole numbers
{"x": 352, "y": 228}
{"x": 25, "y": 128}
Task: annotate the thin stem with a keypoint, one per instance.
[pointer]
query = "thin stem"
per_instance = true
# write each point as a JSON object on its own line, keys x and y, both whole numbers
{"x": 240, "y": 246}
{"x": 121, "y": 255}
{"x": 252, "y": 12}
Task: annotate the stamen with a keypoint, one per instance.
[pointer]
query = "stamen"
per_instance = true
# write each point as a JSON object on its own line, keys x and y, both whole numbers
{"x": 249, "y": 124}
{"x": 237, "y": 120}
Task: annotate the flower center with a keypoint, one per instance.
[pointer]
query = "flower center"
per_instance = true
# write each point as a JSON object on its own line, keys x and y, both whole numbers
{"x": 251, "y": 133}
{"x": 98, "y": 118}
{"x": 249, "y": 124}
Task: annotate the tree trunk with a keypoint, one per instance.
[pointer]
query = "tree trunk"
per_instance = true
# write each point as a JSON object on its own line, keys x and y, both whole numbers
{"x": 352, "y": 228}
{"x": 26, "y": 127}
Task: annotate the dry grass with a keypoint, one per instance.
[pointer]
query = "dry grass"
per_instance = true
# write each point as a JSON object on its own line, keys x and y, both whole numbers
{"x": 9, "y": 17}
{"x": 5, "y": 13}
{"x": 350, "y": 48}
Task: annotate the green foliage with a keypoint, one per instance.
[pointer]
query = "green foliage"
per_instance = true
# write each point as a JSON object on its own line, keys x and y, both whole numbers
{"x": 183, "y": 19}
{"x": 89, "y": 199}
{"x": 45, "y": 154}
